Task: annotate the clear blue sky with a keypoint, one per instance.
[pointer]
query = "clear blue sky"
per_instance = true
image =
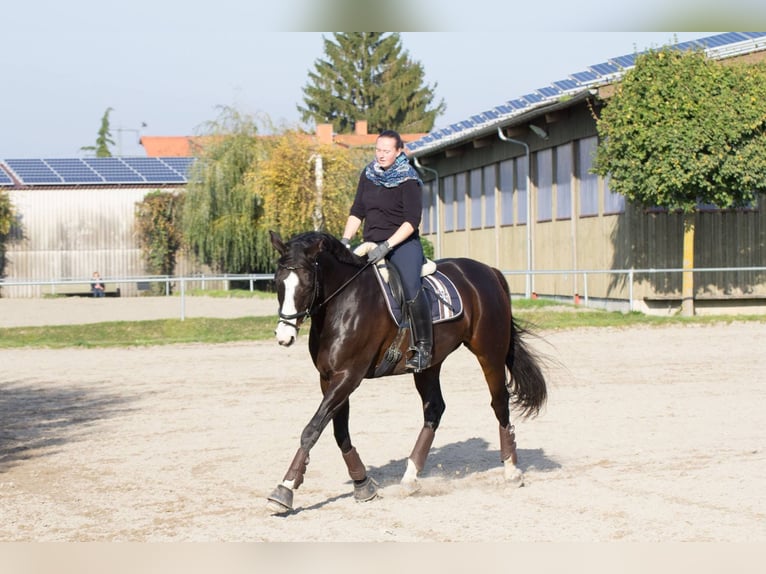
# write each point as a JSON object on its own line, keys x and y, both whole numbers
{"x": 170, "y": 65}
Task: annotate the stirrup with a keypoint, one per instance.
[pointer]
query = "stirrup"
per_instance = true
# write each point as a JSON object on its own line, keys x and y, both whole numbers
{"x": 419, "y": 361}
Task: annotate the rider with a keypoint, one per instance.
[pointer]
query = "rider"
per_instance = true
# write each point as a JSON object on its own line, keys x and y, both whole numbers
{"x": 389, "y": 198}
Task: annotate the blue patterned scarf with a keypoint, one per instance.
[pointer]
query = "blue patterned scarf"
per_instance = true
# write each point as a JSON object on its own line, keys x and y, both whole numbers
{"x": 398, "y": 173}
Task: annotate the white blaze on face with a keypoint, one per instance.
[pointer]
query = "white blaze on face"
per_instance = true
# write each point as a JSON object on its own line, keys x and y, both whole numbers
{"x": 286, "y": 334}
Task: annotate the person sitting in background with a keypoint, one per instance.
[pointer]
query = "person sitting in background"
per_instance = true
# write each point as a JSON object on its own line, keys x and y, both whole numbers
{"x": 96, "y": 285}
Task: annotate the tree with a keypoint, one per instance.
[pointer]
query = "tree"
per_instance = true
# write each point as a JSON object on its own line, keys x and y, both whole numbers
{"x": 221, "y": 208}
{"x": 158, "y": 223}
{"x": 367, "y": 75}
{"x": 104, "y": 139}
{"x": 307, "y": 186}
{"x": 683, "y": 130}
{"x": 7, "y": 220}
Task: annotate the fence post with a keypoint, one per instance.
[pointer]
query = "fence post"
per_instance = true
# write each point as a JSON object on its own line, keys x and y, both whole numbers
{"x": 183, "y": 299}
{"x": 630, "y": 290}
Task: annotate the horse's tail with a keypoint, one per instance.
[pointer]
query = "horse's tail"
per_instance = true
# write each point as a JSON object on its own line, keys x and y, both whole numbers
{"x": 527, "y": 384}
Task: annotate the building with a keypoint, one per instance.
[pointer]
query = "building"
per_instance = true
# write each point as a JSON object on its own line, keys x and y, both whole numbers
{"x": 511, "y": 187}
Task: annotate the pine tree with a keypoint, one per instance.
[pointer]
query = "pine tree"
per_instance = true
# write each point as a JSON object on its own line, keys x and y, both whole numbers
{"x": 369, "y": 76}
{"x": 104, "y": 139}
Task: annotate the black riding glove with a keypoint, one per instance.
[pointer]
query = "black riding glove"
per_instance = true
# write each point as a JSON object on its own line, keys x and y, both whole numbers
{"x": 378, "y": 252}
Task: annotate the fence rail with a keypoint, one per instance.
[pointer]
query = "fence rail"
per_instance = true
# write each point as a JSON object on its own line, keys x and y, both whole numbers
{"x": 254, "y": 278}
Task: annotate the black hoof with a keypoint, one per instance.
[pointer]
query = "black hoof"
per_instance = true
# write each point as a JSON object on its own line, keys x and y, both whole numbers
{"x": 365, "y": 490}
{"x": 280, "y": 500}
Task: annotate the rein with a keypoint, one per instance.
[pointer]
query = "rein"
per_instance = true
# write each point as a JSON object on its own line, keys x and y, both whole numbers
{"x": 312, "y": 309}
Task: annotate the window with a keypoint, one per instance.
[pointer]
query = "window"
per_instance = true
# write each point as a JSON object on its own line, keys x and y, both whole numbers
{"x": 564, "y": 181}
{"x": 449, "y": 203}
{"x": 428, "y": 205}
{"x": 544, "y": 185}
{"x": 506, "y": 192}
{"x": 461, "y": 184}
{"x": 489, "y": 195}
{"x": 613, "y": 202}
{"x": 586, "y": 149}
{"x": 475, "y": 188}
{"x": 522, "y": 193}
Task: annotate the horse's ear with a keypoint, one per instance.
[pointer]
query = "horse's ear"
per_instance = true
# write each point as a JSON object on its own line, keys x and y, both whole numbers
{"x": 276, "y": 241}
{"x": 315, "y": 247}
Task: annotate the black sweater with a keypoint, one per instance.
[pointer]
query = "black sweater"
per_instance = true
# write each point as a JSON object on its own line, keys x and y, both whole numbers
{"x": 384, "y": 209}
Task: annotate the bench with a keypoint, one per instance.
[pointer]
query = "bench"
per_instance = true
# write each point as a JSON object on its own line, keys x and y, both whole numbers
{"x": 78, "y": 290}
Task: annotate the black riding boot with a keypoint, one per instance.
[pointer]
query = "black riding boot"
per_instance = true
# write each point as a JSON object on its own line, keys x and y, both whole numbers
{"x": 419, "y": 311}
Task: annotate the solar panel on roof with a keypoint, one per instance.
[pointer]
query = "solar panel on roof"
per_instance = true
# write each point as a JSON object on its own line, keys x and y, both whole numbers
{"x": 690, "y": 45}
{"x": 722, "y": 39}
{"x": 566, "y": 84}
{"x": 625, "y": 61}
{"x": 585, "y": 76}
{"x": 113, "y": 170}
{"x": 5, "y": 179}
{"x": 532, "y": 98}
{"x": 549, "y": 91}
{"x": 752, "y": 35}
{"x": 504, "y": 109}
{"x": 73, "y": 170}
{"x": 33, "y": 172}
{"x": 518, "y": 104}
{"x": 153, "y": 170}
{"x": 180, "y": 165}
{"x": 605, "y": 68}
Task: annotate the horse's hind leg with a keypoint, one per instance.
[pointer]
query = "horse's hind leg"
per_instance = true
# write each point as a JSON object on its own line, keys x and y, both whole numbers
{"x": 429, "y": 388}
{"x": 495, "y": 375}
{"x": 365, "y": 488}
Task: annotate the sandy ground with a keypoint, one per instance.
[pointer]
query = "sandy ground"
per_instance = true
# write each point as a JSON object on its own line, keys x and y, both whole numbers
{"x": 653, "y": 435}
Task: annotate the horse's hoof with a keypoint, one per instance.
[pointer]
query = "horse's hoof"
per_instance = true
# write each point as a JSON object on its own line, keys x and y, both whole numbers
{"x": 280, "y": 500}
{"x": 366, "y": 490}
{"x": 409, "y": 486}
{"x": 513, "y": 474}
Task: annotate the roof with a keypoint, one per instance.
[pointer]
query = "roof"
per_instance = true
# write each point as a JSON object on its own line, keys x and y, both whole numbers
{"x": 574, "y": 87}
{"x": 94, "y": 171}
{"x": 172, "y": 146}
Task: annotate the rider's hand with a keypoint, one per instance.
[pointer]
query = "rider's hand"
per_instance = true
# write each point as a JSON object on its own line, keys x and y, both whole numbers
{"x": 378, "y": 252}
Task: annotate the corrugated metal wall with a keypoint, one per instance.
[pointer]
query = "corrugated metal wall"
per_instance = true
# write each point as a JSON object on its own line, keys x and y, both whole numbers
{"x": 67, "y": 234}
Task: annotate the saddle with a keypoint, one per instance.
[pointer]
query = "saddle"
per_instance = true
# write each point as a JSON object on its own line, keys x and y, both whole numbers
{"x": 446, "y": 302}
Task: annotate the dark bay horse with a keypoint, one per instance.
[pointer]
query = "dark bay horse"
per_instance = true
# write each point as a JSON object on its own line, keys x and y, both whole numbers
{"x": 351, "y": 332}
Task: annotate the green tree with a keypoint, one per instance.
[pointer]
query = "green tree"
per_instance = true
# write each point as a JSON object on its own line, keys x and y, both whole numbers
{"x": 104, "y": 138}
{"x": 7, "y": 219}
{"x": 368, "y": 76}
{"x": 305, "y": 185}
{"x": 158, "y": 223}
{"x": 683, "y": 130}
{"x": 221, "y": 208}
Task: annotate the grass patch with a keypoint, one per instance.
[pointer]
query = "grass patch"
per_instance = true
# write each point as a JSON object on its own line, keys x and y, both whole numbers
{"x": 141, "y": 333}
{"x": 536, "y": 314}
{"x": 227, "y": 293}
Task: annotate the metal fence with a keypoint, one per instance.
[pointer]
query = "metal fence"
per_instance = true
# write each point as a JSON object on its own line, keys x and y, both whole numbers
{"x": 180, "y": 285}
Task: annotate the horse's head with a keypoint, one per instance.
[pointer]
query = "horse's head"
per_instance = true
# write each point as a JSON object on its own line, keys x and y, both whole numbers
{"x": 296, "y": 280}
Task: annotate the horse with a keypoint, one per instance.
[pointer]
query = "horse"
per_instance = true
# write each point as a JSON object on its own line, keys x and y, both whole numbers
{"x": 351, "y": 335}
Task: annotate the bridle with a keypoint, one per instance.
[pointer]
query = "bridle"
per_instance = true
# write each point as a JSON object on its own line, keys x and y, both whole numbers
{"x": 313, "y": 306}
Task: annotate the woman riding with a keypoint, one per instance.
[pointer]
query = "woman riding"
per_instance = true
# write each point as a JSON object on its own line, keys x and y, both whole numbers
{"x": 389, "y": 199}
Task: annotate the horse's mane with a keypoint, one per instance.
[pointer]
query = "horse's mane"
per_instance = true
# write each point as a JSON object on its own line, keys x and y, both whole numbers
{"x": 330, "y": 244}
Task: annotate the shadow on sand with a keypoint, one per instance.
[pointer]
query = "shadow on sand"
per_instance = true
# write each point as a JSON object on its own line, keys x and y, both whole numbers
{"x": 36, "y": 418}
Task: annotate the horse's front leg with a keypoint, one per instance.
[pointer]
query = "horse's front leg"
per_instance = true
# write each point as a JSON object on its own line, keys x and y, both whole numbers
{"x": 365, "y": 488}
{"x": 429, "y": 389}
{"x": 335, "y": 396}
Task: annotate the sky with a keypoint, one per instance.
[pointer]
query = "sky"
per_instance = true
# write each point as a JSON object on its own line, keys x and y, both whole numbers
{"x": 167, "y": 67}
